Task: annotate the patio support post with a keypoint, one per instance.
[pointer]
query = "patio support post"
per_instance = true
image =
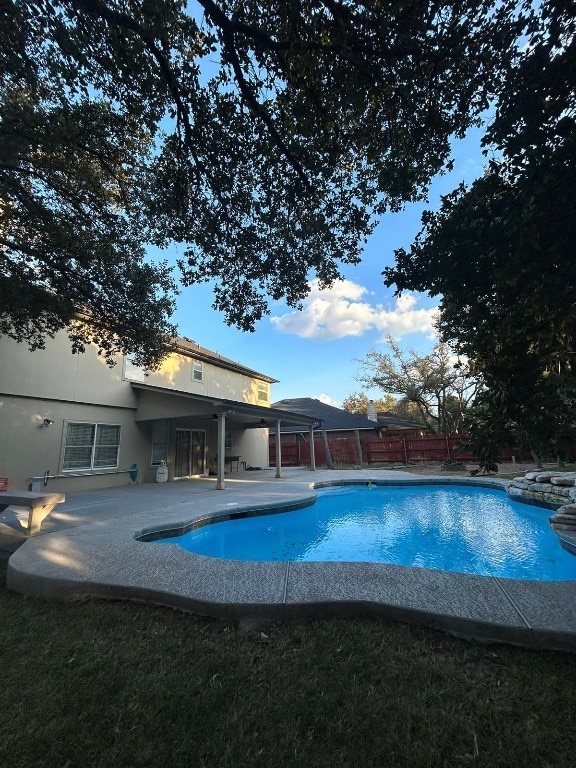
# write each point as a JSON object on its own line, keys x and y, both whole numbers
{"x": 278, "y": 451}
{"x": 221, "y": 451}
{"x": 312, "y": 453}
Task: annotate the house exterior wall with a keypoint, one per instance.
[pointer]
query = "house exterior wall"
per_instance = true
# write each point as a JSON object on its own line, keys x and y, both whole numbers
{"x": 28, "y": 450}
{"x": 177, "y": 373}
{"x": 252, "y": 446}
{"x": 55, "y": 373}
{"x": 62, "y": 387}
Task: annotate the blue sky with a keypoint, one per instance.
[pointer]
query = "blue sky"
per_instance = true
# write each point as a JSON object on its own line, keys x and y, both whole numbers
{"x": 316, "y": 352}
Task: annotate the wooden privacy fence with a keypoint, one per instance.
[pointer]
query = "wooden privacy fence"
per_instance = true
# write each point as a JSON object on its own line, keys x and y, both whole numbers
{"x": 394, "y": 449}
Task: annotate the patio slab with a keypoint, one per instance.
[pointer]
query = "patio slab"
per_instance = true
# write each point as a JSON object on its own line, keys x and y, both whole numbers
{"x": 88, "y": 549}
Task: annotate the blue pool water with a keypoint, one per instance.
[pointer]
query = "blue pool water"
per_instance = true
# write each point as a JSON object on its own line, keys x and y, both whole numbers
{"x": 449, "y": 528}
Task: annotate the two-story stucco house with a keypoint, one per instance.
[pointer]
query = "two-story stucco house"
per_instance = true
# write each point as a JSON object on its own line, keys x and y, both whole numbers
{"x": 70, "y": 422}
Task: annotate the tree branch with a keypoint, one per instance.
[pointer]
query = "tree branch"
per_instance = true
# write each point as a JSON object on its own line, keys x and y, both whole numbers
{"x": 229, "y": 28}
{"x": 98, "y": 9}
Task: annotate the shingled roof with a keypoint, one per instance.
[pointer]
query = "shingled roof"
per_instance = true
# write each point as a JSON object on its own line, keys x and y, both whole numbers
{"x": 332, "y": 419}
{"x": 390, "y": 421}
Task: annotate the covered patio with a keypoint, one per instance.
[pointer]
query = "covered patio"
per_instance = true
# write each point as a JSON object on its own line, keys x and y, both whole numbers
{"x": 204, "y": 412}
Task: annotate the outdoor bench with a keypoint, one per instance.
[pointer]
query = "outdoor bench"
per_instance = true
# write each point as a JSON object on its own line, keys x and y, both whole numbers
{"x": 39, "y": 505}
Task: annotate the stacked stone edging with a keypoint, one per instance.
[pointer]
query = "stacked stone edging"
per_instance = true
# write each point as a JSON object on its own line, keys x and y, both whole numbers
{"x": 555, "y": 490}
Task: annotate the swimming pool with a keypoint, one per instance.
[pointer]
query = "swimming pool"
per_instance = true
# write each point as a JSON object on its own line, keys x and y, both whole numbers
{"x": 443, "y": 527}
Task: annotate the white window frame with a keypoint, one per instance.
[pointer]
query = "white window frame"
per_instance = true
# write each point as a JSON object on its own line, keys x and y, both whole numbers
{"x": 197, "y": 370}
{"x": 92, "y": 447}
{"x": 133, "y": 372}
{"x": 263, "y": 393}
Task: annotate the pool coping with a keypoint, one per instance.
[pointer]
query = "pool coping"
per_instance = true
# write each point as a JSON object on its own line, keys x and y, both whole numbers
{"x": 105, "y": 559}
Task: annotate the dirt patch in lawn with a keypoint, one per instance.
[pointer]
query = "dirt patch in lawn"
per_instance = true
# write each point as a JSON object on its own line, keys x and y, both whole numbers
{"x": 505, "y": 471}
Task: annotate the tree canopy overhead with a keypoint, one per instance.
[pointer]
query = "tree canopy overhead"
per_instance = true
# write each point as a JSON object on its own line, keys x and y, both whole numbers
{"x": 502, "y": 253}
{"x": 265, "y": 136}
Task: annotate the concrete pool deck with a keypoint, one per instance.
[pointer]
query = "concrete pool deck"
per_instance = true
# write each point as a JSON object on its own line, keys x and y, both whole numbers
{"x": 87, "y": 548}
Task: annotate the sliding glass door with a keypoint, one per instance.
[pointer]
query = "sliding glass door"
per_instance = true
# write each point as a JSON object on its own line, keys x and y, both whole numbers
{"x": 190, "y": 454}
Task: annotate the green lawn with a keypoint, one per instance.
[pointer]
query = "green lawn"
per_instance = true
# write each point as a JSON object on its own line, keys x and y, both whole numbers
{"x": 115, "y": 684}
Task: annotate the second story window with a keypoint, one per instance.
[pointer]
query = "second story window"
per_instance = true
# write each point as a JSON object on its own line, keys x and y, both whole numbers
{"x": 197, "y": 370}
{"x": 133, "y": 372}
{"x": 263, "y": 391}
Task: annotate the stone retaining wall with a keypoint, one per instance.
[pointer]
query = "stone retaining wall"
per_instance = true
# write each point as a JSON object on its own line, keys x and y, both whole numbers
{"x": 555, "y": 491}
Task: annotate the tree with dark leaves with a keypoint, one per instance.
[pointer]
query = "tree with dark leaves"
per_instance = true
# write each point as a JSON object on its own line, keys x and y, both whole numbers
{"x": 267, "y": 137}
{"x": 502, "y": 253}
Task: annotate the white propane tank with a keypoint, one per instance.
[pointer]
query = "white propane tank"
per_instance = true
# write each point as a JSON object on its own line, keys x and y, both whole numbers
{"x": 162, "y": 473}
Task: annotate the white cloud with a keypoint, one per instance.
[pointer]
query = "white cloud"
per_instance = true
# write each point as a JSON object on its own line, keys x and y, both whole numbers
{"x": 340, "y": 311}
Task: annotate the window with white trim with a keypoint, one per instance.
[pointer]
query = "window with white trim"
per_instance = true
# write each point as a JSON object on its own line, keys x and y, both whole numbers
{"x": 197, "y": 370}
{"x": 263, "y": 391}
{"x": 91, "y": 446}
{"x": 133, "y": 372}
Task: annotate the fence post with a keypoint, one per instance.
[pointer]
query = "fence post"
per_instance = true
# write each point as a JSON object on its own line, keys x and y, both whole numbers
{"x": 405, "y": 451}
{"x": 448, "y": 448}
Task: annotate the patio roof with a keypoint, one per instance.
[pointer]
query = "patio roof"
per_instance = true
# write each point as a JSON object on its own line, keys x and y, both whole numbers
{"x": 250, "y": 416}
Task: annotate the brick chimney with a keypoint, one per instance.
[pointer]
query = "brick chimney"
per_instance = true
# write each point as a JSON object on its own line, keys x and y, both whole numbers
{"x": 371, "y": 413}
